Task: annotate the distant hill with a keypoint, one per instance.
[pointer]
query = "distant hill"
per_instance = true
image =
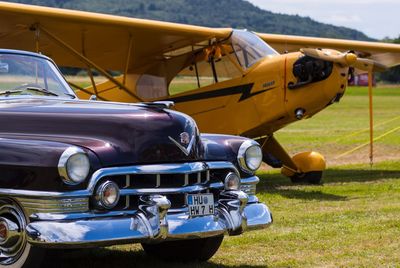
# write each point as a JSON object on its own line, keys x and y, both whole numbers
{"x": 221, "y": 13}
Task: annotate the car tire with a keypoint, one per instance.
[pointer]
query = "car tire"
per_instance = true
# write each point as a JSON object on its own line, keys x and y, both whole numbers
{"x": 201, "y": 249}
{"x": 312, "y": 177}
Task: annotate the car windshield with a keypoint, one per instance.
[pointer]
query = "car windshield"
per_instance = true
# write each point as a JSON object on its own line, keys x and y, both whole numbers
{"x": 249, "y": 48}
{"x": 30, "y": 75}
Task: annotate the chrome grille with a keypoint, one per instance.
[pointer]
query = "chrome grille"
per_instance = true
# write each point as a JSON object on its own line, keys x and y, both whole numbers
{"x": 171, "y": 180}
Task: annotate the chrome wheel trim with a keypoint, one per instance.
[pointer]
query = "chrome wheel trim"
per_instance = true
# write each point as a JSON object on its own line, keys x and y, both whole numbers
{"x": 13, "y": 246}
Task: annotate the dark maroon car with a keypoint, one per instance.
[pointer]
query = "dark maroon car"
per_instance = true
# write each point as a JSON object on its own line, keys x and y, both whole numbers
{"x": 80, "y": 173}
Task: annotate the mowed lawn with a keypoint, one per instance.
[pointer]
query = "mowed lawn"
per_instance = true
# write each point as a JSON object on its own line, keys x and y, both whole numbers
{"x": 352, "y": 220}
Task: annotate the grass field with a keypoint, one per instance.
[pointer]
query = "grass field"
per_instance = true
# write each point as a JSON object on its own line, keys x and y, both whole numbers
{"x": 352, "y": 220}
{"x": 344, "y": 126}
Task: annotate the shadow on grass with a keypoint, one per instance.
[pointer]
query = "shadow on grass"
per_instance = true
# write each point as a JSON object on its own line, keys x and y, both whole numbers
{"x": 109, "y": 257}
{"x": 276, "y": 183}
{"x": 359, "y": 175}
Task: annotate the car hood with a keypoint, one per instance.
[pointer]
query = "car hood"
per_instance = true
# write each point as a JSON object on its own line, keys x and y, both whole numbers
{"x": 119, "y": 134}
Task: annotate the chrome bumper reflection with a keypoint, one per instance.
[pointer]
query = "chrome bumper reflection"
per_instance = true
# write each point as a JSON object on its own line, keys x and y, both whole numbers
{"x": 152, "y": 222}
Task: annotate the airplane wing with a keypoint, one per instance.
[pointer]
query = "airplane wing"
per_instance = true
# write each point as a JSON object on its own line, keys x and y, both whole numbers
{"x": 385, "y": 53}
{"x": 121, "y": 43}
{"x": 107, "y": 40}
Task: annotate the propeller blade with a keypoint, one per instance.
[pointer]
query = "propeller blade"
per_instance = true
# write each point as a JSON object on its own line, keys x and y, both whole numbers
{"x": 330, "y": 55}
{"x": 369, "y": 65}
{"x": 346, "y": 59}
{"x": 387, "y": 59}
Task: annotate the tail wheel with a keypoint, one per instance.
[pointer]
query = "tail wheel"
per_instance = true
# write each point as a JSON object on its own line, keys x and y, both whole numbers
{"x": 14, "y": 248}
{"x": 312, "y": 177}
{"x": 185, "y": 250}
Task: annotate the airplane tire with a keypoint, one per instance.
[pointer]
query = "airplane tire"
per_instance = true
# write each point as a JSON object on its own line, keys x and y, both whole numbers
{"x": 312, "y": 177}
{"x": 185, "y": 250}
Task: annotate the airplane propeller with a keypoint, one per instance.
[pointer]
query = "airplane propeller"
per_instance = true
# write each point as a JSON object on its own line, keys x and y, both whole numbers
{"x": 345, "y": 58}
{"x": 350, "y": 59}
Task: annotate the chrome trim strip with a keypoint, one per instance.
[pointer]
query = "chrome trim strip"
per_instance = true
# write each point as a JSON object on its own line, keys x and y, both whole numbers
{"x": 222, "y": 165}
{"x": 65, "y": 205}
{"x": 43, "y": 194}
{"x": 60, "y": 205}
{"x": 217, "y": 185}
{"x": 42, "y": 216}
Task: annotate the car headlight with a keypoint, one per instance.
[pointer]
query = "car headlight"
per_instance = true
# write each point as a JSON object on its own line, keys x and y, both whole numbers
{"x": 250, "y": 156}
{"x": 73, "y": 166}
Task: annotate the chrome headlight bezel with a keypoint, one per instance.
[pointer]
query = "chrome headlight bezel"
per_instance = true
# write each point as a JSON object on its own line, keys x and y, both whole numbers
{"x": 64, "y": 168}
{"x": 232, "y": 182}
{"x": 101, "y": 199}
{"x": 243, "y": 157}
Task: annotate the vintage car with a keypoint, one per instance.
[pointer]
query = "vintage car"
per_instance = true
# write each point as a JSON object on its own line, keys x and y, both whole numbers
{"x": 89, "y": 174}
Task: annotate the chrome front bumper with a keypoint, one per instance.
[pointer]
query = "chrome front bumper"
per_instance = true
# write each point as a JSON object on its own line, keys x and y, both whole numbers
{"x": 152, "y": 222}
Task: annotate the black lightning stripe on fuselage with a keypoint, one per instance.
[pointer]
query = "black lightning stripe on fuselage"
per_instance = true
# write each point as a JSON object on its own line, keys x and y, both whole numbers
{"x": 245, "y": 90}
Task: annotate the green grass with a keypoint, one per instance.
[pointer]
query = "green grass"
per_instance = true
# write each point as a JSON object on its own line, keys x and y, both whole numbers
{"x": 352, "y": 220}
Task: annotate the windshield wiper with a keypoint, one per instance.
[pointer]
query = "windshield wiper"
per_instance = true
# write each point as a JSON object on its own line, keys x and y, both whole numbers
{"x": 8, "y": 92}
{"x": 71, "y": 95}
{"x": 41, "y": 90}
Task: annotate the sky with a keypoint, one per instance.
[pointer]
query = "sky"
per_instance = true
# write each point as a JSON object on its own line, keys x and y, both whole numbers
{"x": 376, "y": 18}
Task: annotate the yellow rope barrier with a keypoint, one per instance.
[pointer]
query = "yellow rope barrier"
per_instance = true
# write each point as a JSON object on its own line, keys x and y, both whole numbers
{"x": 367, "y": 143}
{"x": 366, "y": 129}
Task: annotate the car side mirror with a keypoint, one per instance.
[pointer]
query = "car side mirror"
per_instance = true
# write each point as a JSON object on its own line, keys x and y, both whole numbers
{"x": 93, "y": 98}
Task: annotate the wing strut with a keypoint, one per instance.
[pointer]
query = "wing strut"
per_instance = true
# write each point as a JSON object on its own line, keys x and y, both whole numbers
{"x": 87, "y": 61}
{"x": 128, "y": 57}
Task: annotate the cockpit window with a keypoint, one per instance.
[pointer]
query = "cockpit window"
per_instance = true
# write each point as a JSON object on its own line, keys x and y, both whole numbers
{"x": 30, "y": 75}
{"x": 249, "y": 48}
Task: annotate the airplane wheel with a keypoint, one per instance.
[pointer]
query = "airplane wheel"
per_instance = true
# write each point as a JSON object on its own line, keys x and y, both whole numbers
{"x": 312, "y": 177}
{"x": 185, "y": 250}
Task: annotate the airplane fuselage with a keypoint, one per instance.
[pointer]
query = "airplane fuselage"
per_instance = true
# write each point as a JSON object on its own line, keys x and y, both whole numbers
{"x": 262, "y": 98}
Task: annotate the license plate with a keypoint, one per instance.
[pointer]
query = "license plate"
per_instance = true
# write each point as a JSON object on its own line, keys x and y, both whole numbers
{"x": 200, "y": 204}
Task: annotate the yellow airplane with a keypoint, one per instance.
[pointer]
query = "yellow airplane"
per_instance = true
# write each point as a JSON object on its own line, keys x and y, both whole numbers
{"x": 231, "y": 81}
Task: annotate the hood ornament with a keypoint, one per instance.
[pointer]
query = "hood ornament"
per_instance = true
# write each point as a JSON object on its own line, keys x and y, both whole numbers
{"x": 185, "y": 140}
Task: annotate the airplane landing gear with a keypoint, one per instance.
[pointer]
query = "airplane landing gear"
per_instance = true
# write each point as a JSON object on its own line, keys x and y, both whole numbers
{"x": 310, "y": 166}
{"x": 306, "y": 167}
